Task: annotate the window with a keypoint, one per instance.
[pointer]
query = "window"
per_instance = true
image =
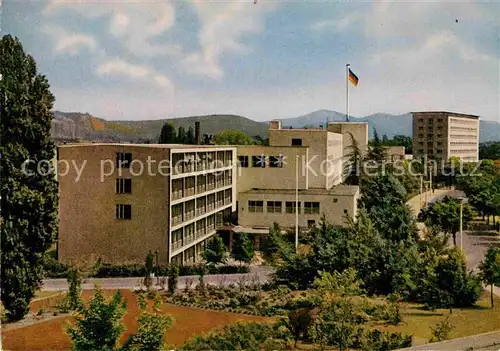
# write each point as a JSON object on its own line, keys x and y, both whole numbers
{"x": 276, "y": 161}
{"x": 420, "y": 128}
{"x": 243, "y": 160}
{"x": 440, "y": 135}
{"x": 123, "y": 211}
{"x": 439, "y": 143}
{"x": 296, "y": 142}
{"x": 123, "y": 186}
{"x": 274, "y": 206}
{"x": 259, "y": 161}
{"x": 335, "y": 200}
{"x": 123, "y": 159}
{"x": 290, "y": 207}
{"x": 255, "y": 206}
{"x": 420, "y": 135}
{"x": 311, "y": 207}
{"x": 345, "y": 211}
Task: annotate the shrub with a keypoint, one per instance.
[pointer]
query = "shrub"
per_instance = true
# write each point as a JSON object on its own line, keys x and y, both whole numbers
{"x": 54, "y": 268}
{"x": 377, "y": 340}
{"x": 442, "y": 330}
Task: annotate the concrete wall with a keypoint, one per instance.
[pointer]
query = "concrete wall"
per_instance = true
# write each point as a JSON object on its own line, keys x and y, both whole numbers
{"x": 88, "y": 228}
{"x": 334, "y": 157}
{"x": 269, "y": 177}
{"x": 359, "y": 131}
{"x": 331, "y": 205}
{"x": 316, "y": 140}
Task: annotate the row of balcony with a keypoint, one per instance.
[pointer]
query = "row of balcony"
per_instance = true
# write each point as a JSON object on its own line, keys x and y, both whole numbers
{"x": 199, "y": 211}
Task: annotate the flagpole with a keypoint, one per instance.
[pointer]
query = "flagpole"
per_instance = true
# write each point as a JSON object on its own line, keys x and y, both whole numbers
{"x": 347, "y": 92}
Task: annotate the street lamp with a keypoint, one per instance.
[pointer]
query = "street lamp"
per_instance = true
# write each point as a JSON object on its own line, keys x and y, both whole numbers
{"x": 296, "y": 203}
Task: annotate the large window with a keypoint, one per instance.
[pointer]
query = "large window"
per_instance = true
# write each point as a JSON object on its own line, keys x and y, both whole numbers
{"x": 276, "y": 161}
{"x": 311, "y": 207}
{"x": 259, "y": 161}
{"x": 296, "y": 142}
{"x": 123, "y": 159}
{"x": 123, "y": 186}
{"x": 290, "y": 207}
{"x": 274, "y": 206}
{"x": 243, "y": 160}
{"x": 255, "y": 206}
{"x": 123, "y": 211}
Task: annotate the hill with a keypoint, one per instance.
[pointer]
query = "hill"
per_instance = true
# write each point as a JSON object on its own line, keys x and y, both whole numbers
{"x": 385, "y": 123}
{"x": 71, "y": 125}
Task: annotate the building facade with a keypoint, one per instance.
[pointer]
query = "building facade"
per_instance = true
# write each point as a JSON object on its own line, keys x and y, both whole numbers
{"x": 128, "y": 200}
{"x": 442, "y": 135}
{"x": 308, "y": 161}
{"x": 358, "y": 130}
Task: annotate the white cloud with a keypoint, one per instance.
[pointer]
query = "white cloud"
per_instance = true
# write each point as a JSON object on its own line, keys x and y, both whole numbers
{"x": 118, "y": 67}
{"x": 337, "y": 24}
{"x": 223, "y": 24}
{"x": 70, "y": 43}
{"x": 133, "y": 24}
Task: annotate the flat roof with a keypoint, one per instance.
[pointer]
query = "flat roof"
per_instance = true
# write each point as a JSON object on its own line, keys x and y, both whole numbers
{"x": 160, "y": 146}
{"x": 270, "y": 146}
{"x": 446, "y": 113}
{"x": 339, "y": 190}
{"x": 347, "y": 122}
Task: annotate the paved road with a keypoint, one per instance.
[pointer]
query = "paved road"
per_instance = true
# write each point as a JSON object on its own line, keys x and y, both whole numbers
{"x": 483, "y": 342}
{"x": 259, "y": 274}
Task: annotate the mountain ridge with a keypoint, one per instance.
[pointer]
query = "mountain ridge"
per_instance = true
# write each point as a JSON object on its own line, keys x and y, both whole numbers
{"x": 76, "y": 125}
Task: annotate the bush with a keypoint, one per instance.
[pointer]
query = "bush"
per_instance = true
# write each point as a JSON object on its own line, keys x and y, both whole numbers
{"x": 442, "y": 330}
{"x": 53, "y": 268}
{"x": 378, "y": 340}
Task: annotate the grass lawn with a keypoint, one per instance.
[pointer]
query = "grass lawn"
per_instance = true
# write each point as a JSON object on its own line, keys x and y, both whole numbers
{"x": 466, "y": 322}
{"x": 188, "y": 322}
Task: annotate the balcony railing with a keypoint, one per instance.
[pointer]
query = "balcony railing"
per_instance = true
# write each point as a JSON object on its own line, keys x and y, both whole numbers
{"x": 176, "y": 220}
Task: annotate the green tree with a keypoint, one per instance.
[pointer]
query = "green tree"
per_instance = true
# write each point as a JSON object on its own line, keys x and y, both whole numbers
{"x": 232, "y": 137}
{"x": 445, "y": 215}
{"x": 337, "y": 324}
{"x": 242, "y": 249}
{"x": 353, "y": 165}
{"x": 190, "y": 139}
{"x": 29, "y": 200}
{"x": 167, "y": 135}
{"x": 151, "y": 328}
{"x": 181, "y": 135}
{"x": 376, "y": 150}
{"x": 98, "y": 326}
{"x": 73, "y": 301}
{"x": 489, "y": 151}
{"x": 490, "y": 269}
{"x": 215, "y": 251}
{"x": 455, "y": 286}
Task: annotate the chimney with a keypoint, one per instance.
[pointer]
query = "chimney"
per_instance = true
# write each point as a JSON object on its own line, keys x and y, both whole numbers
{"x": 197, "y": 136}
{"x": 275, "y": 124}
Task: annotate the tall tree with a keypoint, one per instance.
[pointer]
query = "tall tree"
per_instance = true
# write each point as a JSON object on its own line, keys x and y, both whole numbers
{"x": 167, "y": 135}
{"x": 353, "y": 164}
{"x": 242, "y": 249}
{"x": 445, "y": 215}
{"x": 232, "y": 137}
{"x": 190, "y": 136}
{"x": 376, "y": 151}
{"x": 29, "y": 199}
{"x": 181, "y": 135}
{"x": 490, "y": 269}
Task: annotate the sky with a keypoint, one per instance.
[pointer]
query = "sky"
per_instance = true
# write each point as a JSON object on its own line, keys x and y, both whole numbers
{"x": 137, "y": 60}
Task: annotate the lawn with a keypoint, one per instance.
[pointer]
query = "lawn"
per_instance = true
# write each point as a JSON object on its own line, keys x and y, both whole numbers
{"x": 470, "y": 321}
{"x": 188, "y": 322}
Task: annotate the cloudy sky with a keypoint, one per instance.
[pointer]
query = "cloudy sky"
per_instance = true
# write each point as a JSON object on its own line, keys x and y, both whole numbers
{"x": 273, "y": 59}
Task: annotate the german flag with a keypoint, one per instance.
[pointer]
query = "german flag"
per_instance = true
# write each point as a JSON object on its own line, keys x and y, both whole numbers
{"x": 353, "y": 78}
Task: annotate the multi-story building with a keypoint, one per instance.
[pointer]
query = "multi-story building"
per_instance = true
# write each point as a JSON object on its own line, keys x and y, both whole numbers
{"x": 308, "y": 161}
{"x": 442, "y": 135}
{"x": 358, "y": 131}
{"x": 120, "y": 201}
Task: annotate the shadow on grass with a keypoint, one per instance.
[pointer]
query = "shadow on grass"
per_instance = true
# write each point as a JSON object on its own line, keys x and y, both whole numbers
{"x": 427, "y": 313}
